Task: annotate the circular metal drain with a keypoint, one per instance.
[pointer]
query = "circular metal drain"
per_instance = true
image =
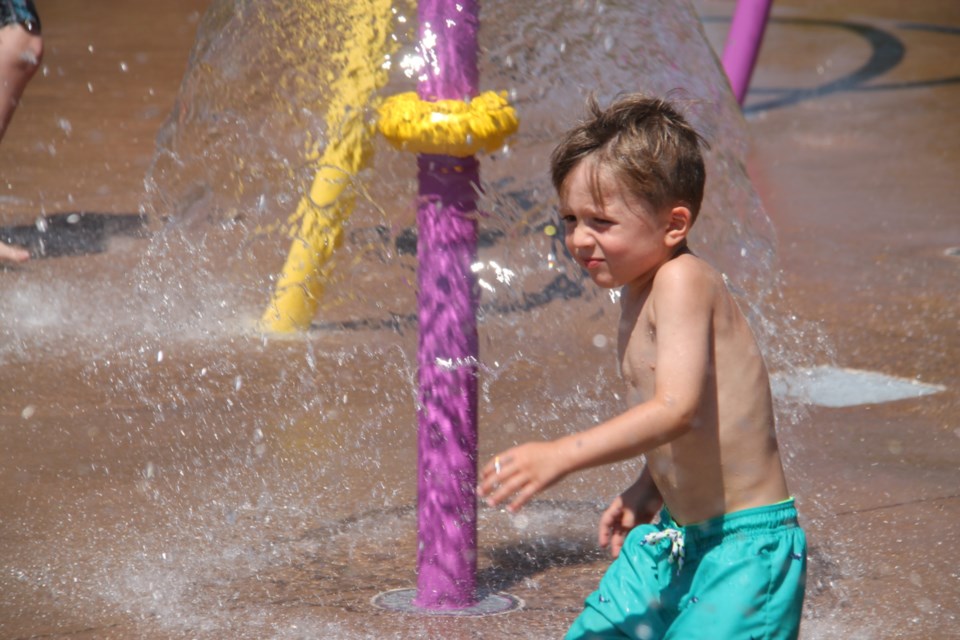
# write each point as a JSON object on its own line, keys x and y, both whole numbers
{"x": 491, "y": 604}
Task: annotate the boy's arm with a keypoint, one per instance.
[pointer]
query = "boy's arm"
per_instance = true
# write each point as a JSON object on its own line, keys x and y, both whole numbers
{"x": 638, "y": 504}
{"x": 683, "y": 301}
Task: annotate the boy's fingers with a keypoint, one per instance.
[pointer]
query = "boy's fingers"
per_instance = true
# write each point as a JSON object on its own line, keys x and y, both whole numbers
{"x": 617, "y": 545}
{"x": 490, "y": 475}
{"x": 609, "y": 521}
{"x": 523, "y": 496}
{"x": 487, "y": 470}
{"x": 494, "y": 467}
{"x": 489, "y": 487}
{"x": 606, "y": 530}
{"x": 486, "y": 482}
{"x": 516, "y": 485}
{"x": 496, "y": 489}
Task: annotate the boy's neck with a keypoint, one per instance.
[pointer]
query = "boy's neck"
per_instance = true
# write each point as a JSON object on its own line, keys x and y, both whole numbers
{"x": 639, "y": 290}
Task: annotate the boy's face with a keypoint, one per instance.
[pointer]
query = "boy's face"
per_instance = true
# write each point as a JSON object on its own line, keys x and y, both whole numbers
{"x": 618, "y": 238}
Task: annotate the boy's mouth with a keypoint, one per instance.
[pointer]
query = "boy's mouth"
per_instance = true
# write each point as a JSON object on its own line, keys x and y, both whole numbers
{"x": 591, "y": 263}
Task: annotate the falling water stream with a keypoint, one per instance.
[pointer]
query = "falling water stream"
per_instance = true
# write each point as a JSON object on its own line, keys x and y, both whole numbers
{"x": 272, "y": 492}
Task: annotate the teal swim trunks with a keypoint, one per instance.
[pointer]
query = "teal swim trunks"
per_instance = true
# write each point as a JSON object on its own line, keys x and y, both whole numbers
{"x": 737, "y": 576}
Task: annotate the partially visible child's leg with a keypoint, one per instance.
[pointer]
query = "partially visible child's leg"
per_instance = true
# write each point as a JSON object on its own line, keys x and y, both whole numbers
{"x": 21, "y": 49}
{"x": 750, "y": 577}
{"x": 627, "y": 603}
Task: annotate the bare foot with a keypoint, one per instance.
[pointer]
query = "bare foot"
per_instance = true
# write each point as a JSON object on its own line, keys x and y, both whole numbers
{"x": 13, "y": 254}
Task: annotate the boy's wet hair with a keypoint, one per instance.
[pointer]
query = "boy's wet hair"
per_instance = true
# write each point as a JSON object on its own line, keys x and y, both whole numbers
{"x": 650, "y": 148}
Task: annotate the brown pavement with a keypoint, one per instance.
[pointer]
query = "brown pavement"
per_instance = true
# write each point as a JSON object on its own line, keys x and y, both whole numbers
{"x": 855, "y": 154}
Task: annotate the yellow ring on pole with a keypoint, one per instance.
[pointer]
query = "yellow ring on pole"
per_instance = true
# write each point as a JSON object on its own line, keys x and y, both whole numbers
{"x": 448, "y": 127}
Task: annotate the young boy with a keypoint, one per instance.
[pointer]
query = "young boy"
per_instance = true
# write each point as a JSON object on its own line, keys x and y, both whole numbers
{"x": 727, "y": 559}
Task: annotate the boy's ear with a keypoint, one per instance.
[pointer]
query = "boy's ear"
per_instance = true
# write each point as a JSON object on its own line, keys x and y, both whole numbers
{"x": 678, "y": 225}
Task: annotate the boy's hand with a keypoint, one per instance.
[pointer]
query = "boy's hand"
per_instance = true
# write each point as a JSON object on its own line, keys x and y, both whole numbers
{"x": 615, "y": 523}
{"x": 637, "y": 505}
{"x": 521, "y": 472}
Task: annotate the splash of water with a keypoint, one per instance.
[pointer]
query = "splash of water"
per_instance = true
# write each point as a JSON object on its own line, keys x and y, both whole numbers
{"x": 254, "y": 439}
{"x": 235, "y": 155}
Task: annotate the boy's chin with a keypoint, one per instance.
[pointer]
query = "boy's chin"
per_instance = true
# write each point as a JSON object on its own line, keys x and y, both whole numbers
{"x": 606, "y": 283}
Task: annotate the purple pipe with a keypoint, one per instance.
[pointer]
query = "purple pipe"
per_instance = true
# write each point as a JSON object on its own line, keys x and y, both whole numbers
{"x": 743, "y": 43}
{"x": 447, "y": 305}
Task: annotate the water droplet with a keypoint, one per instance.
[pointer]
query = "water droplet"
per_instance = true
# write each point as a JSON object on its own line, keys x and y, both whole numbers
{"x": 600, "y": 341}
{"x": 28, "y": 412}
{"x": 159, "y": 356}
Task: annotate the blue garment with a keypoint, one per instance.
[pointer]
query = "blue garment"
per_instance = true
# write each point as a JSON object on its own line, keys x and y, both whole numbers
{"x": 20, "y": 12}
{"x": 739, "y": 576}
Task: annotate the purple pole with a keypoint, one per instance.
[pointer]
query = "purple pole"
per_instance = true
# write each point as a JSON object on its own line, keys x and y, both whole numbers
{"x": 447, "y": 303}
{"x": 743, "y": 43}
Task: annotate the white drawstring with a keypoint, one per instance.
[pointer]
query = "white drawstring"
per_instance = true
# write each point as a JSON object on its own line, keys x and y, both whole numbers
{"x": 677, "y": 552}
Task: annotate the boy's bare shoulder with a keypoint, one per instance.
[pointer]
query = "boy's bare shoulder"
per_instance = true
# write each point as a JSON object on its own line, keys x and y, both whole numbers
{"x": 689, "y": 273}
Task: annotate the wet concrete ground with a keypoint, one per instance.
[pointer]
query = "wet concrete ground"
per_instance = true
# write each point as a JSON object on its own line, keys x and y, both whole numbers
{"x": 855, "y": 153}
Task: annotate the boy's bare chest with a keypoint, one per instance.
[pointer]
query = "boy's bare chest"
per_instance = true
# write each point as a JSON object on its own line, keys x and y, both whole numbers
{"x": 637, "y": 340}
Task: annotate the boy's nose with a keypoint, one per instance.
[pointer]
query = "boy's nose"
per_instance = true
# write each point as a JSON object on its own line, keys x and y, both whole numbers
{"x": 580, "y": 237}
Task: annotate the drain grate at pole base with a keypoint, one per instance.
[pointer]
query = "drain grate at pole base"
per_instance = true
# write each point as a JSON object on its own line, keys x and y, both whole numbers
{"x": 401, "y": 600}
